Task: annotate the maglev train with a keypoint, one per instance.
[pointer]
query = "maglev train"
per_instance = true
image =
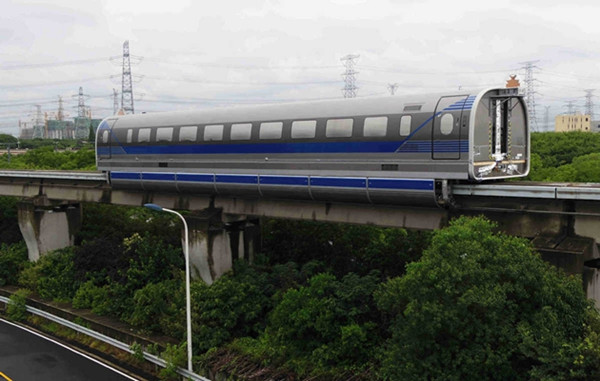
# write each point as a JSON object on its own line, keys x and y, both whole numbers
{"x": 403, "y": 150}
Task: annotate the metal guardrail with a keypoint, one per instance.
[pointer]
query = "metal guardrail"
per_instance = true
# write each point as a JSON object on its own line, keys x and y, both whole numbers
{"x": 109, "y": 340}
{"x": 55, "y": 175}
{"x": 585, "y": 192}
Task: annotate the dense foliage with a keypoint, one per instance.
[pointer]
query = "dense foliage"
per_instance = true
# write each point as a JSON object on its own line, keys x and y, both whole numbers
{"x": 565, "y": 157}
{"x": 48, "y": 158}
{"x": 13, "y": 259}
{"x": 343, "y": 248}
{"x": 482, "y": 305}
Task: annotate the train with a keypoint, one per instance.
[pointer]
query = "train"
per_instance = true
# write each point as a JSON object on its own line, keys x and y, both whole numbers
{"x": 397, "y": 150}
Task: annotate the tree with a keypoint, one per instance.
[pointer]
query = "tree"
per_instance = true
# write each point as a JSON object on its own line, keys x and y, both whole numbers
{"x": 483, "y": 305}
{"x": 5, "y": 138}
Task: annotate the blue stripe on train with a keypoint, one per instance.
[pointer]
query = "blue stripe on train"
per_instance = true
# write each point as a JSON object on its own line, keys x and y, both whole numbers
{"x": 320, "y": 181}
{"x": 290, "y": 148}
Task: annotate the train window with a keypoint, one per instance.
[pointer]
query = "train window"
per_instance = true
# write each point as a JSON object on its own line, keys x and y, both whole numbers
{"x": 164, "y": 134}
{"x": 270, "y": 130}
{"x": 405, "y": 123}
{"x": 304, "y": 129}
{"x": 339, "y": 128}
{"x": 188, "y": 133}
{"x": 129, "y": 135}
{"x": 376, "y": 126}
{"x": 144, "y": 135}
{"x": 213, "y": 132}
{"x": 241, "y": 131}
{"x": 105, "y": 137}
{"x": 446, "y": 124}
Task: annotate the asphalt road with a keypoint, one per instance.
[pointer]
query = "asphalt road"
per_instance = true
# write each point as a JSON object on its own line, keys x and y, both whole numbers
{"x": 26, "y": 356}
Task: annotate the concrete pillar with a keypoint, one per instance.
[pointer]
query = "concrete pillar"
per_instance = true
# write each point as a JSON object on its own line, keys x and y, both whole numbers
{"x": 216, "y": 241}
{"x": 46, "y": 228}
{"x": 575, "y": 255}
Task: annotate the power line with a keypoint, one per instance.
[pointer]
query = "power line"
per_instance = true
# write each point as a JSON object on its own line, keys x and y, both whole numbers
{"x": 403, "y": 71}
{"x": 18, "y": 66}
{"x": 241, "y": 67}
{"x": 236, "y": 83}
{"x": 45, "y": 83}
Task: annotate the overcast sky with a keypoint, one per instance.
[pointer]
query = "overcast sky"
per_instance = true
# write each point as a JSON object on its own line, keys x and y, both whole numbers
{"x": 199, "y": 54}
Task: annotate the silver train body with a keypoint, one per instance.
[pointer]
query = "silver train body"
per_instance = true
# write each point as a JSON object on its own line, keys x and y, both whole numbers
{"x": 390, "y": 150}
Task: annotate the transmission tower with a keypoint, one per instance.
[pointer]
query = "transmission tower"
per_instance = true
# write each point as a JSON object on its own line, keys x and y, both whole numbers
{"x": 350, "y": 88}
{"x": 570, "y": 105}
{"x": 530, "y": 92}
{"x": 126, "y": 82}
{"x": 82, "y": 122}
{"x": 38, "y": 125}
{"x": 61, "y": 110}
{"x": 392, "y": 88}
{"x": 589, "y": 103}
{"x": 81, "y": 104}
{"x": 547, "y": 118}
{"x": 115, "y": 101}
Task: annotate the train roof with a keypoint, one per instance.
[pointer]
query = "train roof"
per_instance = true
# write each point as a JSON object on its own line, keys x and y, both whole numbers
{"x": 286, "y": 111}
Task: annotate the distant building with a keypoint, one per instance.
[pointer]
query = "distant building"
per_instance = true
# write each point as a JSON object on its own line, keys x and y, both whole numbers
{"x": 60, "y": 129}
{"x": 573, "y": 122}
{"x": 595, "y": 126}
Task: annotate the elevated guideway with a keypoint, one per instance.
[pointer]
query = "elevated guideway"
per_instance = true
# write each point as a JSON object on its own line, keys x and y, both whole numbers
{"x": 562, "y": 219}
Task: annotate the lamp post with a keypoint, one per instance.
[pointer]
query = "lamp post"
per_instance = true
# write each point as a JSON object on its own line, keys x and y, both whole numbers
{"x": 186, "y": 249}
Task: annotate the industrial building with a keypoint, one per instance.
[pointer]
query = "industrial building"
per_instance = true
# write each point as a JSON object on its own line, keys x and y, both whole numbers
{"x": 573, "y": 122}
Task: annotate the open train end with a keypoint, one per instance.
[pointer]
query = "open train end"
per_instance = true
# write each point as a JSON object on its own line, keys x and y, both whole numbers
{"x": 499, "y": 136}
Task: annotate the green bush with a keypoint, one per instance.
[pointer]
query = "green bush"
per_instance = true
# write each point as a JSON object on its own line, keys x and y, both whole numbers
{"x": 13, "y": 259}
{"x": 482, "y": 305}
{"x": 17, "y": 308}
{"x": 160, "y": 307}
{"x": 176, "y": 357}
{"x": 235, "y": 305}
{"x": 98, "y": 298}
{"x": 325, "y": 327}
{"x": 52, "y": 276}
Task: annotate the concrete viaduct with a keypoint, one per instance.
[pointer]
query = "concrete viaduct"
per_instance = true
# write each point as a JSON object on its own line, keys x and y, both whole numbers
{"x": 562, "y": 220}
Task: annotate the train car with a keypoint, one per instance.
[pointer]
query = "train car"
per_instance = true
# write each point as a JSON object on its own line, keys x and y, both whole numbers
{"x": 391, "y": 150}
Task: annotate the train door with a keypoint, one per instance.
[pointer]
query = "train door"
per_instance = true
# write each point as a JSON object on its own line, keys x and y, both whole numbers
{"x": 445, "y": 137}
{"x": 103, "y": 139}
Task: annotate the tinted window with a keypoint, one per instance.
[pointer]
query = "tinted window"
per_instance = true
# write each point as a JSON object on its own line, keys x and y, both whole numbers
{"x": 129, "y": 135}
{"x": 339, "y": 128}
{"x": 405, "y": 122}
{"x": 376, "y": 126}
{"x": 144, "y": 135}
{"x": 188, "y": 133}
{"x": 271, "y": 130}
{"x": 164, "y": 134}
{"x": 446, "y": 124}
{"x": 304, "y": 129}
{"x": 213, "y": 132}
{"x": 241, "y": 131}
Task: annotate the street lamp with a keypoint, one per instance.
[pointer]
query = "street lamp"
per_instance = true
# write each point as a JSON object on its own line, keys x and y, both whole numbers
{"x": 186, "y": 252}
